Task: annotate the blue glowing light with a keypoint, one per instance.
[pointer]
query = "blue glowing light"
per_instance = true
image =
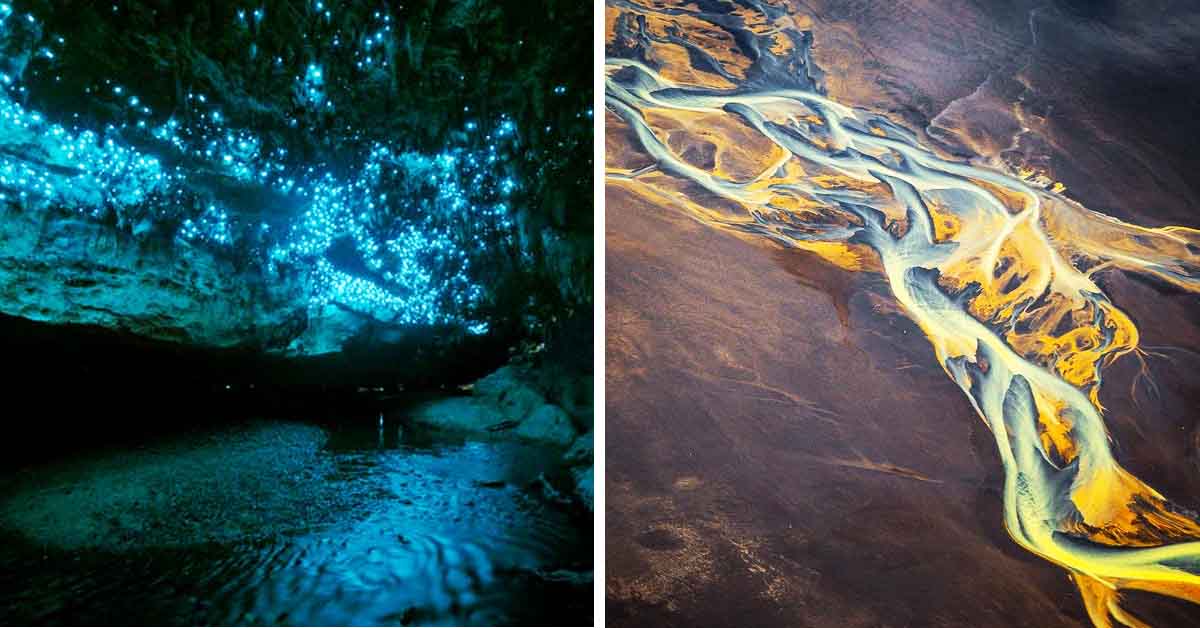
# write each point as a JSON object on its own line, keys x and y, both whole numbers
{"x": 309, "y": 87}
{"x": 416, "y": 223}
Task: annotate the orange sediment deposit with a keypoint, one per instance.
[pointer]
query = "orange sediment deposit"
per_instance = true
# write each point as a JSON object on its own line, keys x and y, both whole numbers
{"x": 996, "y": 268}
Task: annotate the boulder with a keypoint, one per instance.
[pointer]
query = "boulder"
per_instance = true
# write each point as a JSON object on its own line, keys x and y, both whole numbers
{"x": 500, "y": 381}
{"x": 581, "y": 450}
{"x": 548, "y": 424}
{"x": 584, "y": 485}
{"x": 578, "y": 401}
{"x": 580, "y": 458}
{"x": 512, "y": 390}
{"x": 458, "y": 414}
{"x": 508, "y": 399}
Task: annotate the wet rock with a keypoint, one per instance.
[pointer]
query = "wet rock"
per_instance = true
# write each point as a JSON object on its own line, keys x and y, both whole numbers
{"x": 549, "y": 424}
{"x": 581, "y": 460}
{"x": 64, "y": 269}
{"x": 496, "y": 384}
{"x": 547, "y": 490}
{"x": 581, "y": 578}
{"x": 584, "y": 486}
{"x": 579, "y": 403}
{"x": 572, "y": 391}
{"x": 513, "y": 400}
{"x": 580, "y": 457}
{"x": 327, "y": 332}
{"x": 460, "y": 414}
{"x": 511, "y": 388}
{"x": 581, "y": 450}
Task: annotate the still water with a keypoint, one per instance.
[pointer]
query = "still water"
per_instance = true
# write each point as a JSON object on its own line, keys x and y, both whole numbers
{"x": 294, "y": 523}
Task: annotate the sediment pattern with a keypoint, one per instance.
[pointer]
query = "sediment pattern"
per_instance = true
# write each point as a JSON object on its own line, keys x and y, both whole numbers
{"x": 995, "y": 267}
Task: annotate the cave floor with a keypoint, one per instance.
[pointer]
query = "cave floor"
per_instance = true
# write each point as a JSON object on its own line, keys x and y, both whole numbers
{"x": 281, "y": 522}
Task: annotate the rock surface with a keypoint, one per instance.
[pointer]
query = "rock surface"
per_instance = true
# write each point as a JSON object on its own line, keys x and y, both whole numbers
{"x": 459, "y": 414}
{"x": 165, "y": 203}
{"x": 512, "y": 403}
{"x": 547, "y": 423}
{"x": 581, "y": 457}
{"x": 60, "y": 268}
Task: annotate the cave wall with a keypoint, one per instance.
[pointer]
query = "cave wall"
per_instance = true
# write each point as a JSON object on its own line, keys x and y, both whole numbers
{"x": 213, "y": 174}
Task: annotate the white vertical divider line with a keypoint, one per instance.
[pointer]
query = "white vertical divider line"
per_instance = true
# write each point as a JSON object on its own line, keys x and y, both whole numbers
{"x": 598, "y": 343}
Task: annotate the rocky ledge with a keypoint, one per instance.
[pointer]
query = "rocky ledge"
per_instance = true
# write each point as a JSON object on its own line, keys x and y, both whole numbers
{"x": 528, "y": 402}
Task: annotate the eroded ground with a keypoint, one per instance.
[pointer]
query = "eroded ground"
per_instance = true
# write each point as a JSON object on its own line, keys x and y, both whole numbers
{"x": 783, "y": 448}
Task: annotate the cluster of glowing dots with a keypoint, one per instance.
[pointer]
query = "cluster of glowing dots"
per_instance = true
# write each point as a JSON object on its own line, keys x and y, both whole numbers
{"x": 311, "y": 87}
{"x": 415, "y": 246}
{"x": 60, "y": 167}
{"x": 372, "y": 49}
{"x": 236, "y": 153}
{"x": 212, "y": 226}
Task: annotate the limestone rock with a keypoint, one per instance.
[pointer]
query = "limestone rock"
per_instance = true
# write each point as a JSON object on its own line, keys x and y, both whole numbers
{"x": 581, "y": 458}
{"x": 584, "y": 485}
{"x": 549, "y": 424}
{"x": 460, "y": 414}
{"x": 512, "y": 389}
{"x": 61, "y": 268}
{"x": 577, "y": 400}
{"x": 581, "y": 450}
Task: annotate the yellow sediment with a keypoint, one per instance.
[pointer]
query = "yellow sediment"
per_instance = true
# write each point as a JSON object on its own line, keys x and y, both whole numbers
{"x": 996, "y": 268}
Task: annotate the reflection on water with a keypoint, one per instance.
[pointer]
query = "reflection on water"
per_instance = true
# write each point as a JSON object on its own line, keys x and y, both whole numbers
{"x": 399, "y": 532}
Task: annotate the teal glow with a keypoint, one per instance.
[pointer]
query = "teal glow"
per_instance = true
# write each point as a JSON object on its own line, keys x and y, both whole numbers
{"x": 413, "y": 222}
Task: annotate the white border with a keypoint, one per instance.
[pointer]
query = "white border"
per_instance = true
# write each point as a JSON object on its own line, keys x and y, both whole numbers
{"x": 598, "y": 343}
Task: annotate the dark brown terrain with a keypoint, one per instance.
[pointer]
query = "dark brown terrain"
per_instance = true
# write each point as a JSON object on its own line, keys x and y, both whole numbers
{"x": 783, "y": 449}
